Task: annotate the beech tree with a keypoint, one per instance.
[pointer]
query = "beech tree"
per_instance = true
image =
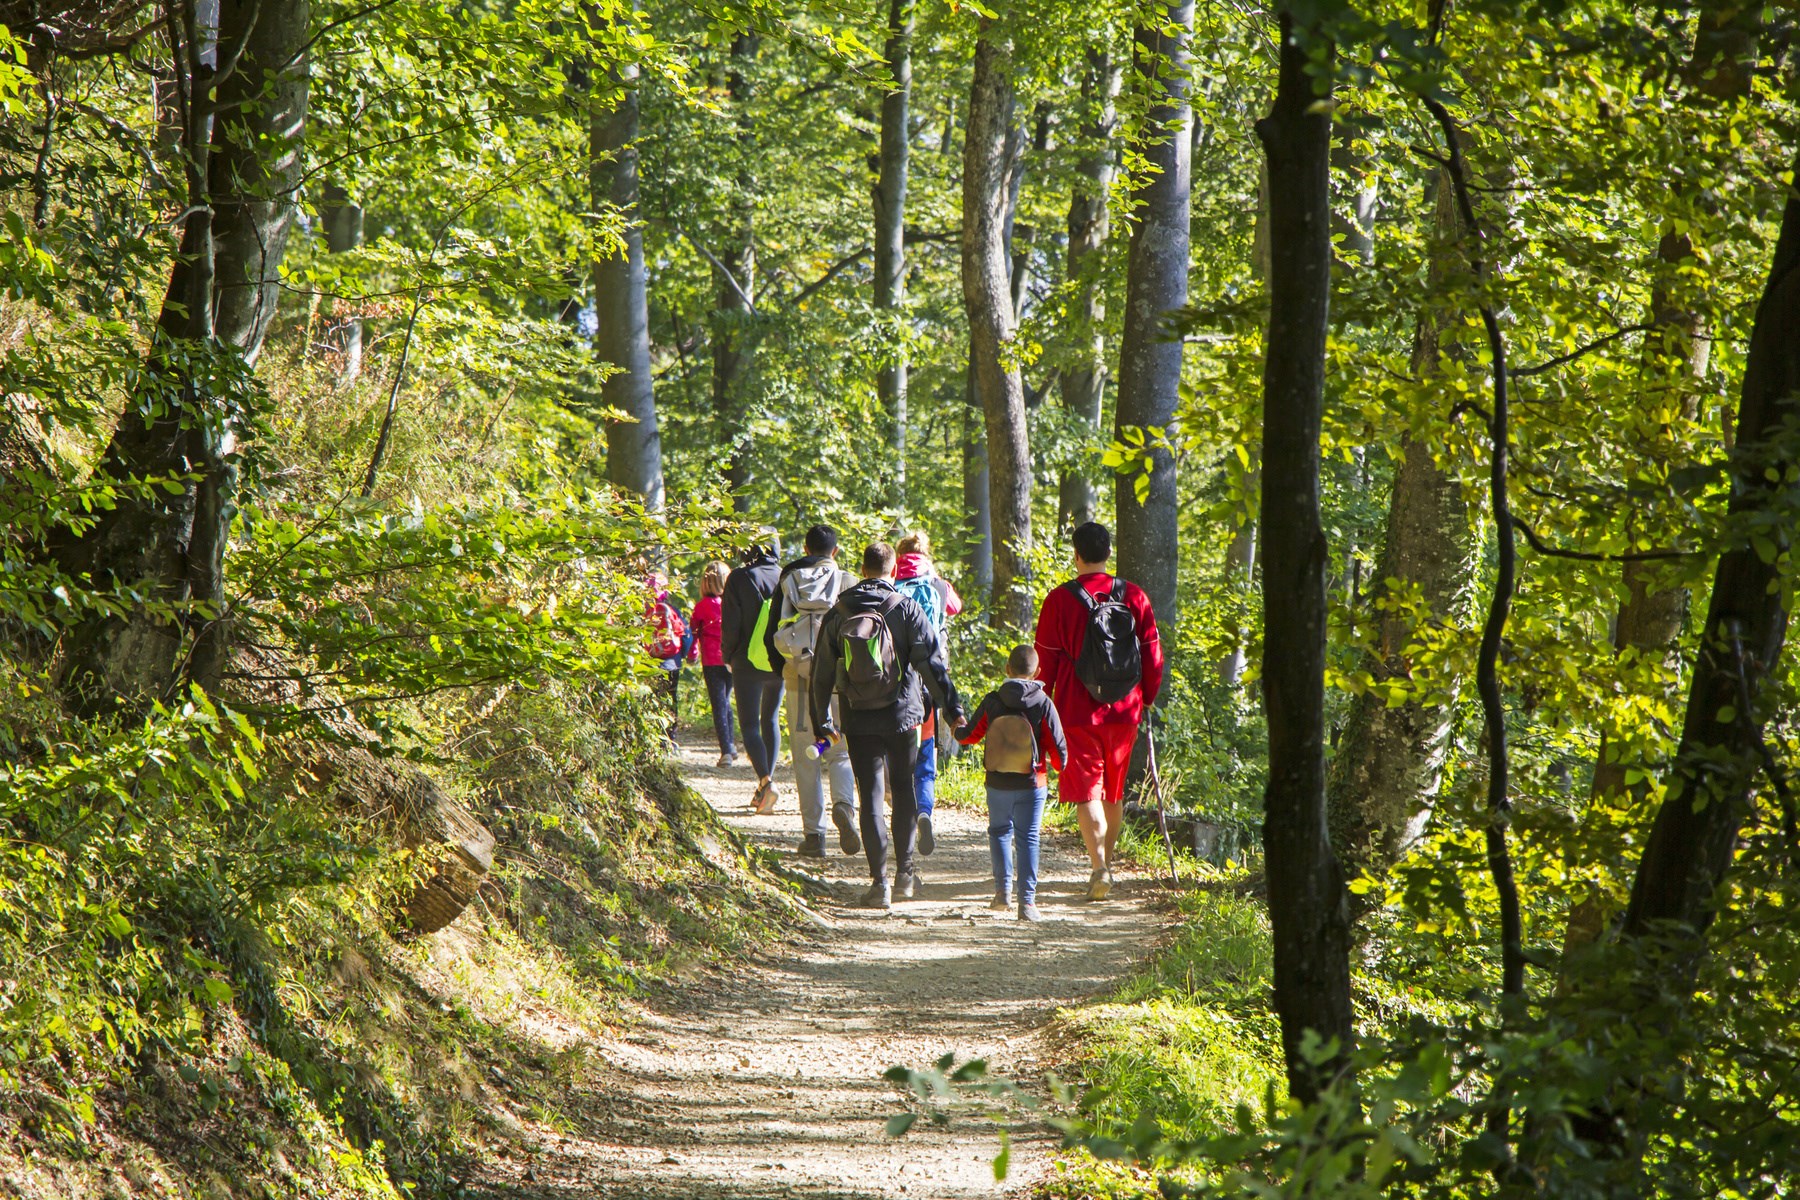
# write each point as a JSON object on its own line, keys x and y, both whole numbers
{"x": 987, "y": 295}
{"x": 241, "y": 140}
{"x": 1308, "y": 905}
{"x": 621, "y": 302}
{"x": 893, "y": 160}
{"x": 1083, "y": 386}
{"x": 1390, "y": 756}
{"x": 1156, "y": 286}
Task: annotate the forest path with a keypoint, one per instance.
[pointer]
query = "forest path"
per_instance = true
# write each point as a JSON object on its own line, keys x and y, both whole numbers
{"x": 765, "y": 1081}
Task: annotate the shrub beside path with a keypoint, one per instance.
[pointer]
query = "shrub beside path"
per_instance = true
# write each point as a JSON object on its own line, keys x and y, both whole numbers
{"x": 765, "y": 1081}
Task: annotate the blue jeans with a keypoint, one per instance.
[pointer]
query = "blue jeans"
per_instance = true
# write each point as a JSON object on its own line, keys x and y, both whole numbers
{"x": 1015, "y": 819}
{"x": 718, "y": 692}
{"x": 925, "y": 776}
{"x": 759, "y": 716}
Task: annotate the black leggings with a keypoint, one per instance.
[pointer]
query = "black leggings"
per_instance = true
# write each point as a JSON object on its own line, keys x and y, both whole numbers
{"x": 895, "y": 756}
{"x": 759, "y": 716}
{"x": 718, "y": 692}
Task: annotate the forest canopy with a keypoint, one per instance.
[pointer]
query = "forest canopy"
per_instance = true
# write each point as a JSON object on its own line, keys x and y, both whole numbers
{"x": 1437, "y": 366}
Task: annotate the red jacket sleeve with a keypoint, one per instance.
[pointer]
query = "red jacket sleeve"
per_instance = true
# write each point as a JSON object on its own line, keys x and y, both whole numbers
{"x": 1056, "y": 633}
{"x": 1149, "y": 644}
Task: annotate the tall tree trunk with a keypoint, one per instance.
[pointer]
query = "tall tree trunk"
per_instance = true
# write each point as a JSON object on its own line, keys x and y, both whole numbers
{"x": 890, "y": 226}
{"x": 1155, "y": 286}
{"x": 1385, "y": 774}
{"x": 1083, "y": 387}
{"x": 1240, "y": 554}
{"x": 1652, "y": 615}
{"x": 734, "y": 281}
{"x": 987, "y": 294}
{"x": 1707, "y": 799}
{"x": 980, "y": 529}
{"x": 343, "y": 333}
{"x": 1308, "y": 905}
{"x": 621, "y": 303}
{"x": 242, "y": 135}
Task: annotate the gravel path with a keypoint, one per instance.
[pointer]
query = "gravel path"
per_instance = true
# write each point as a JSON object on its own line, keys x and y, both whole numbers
{"x": 766, "y": 1082}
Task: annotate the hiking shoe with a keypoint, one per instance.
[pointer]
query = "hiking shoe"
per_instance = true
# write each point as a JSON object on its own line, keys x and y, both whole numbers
{"x": 878, "y": 896}
{"x": 906, "y": 884}
{"x": 1029, "y": 912}
{"x": 726, "y": 760}
{"x": 1002, "y": 900}
{"x": 1099, "y": 885}
{"x": 845, "y": 820}
{"x": 763, "y": 803}
{"x": 927, "y": 840}
{"x": 812, "y": 846}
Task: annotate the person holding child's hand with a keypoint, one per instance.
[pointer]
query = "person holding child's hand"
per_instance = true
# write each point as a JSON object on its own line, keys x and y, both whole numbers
{"x": 1024, "y": 737}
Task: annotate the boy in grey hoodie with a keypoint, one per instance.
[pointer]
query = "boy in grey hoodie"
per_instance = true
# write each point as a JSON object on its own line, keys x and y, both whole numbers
{"x": 1024, "y": 736}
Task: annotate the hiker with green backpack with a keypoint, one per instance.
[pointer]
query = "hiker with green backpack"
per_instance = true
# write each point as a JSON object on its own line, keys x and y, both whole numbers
{"x": 878, "y": 653}
{"x": 808, "y": 589}
{"x": 747, "y": 639}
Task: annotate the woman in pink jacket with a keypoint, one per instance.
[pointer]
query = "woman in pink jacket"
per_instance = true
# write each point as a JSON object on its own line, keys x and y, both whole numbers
{"x": 709, "y": 626}
{"x": 916, "y": 578}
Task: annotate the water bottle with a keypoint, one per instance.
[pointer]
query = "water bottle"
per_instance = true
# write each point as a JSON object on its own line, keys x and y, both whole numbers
{"x": 817, "y": 750}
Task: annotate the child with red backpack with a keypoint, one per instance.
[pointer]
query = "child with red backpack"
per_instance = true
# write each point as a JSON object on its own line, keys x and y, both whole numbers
{"x": 1024, "y": 737}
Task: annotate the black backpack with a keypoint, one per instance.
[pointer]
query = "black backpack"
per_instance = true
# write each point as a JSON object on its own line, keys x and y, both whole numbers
{"x": 868, "y": 674}
{"x": 1109, "y": 664}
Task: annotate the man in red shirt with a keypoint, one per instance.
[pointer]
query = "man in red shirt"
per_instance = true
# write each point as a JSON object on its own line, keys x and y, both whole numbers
{"x": 1100, "y": 732}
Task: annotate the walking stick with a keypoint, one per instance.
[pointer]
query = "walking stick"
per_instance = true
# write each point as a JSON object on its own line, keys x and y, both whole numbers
{"x": 1162, "y": 815}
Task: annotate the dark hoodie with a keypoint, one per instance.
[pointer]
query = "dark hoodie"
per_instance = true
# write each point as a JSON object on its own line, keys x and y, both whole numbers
{"x": 745, "y": 590}
{"x": 1027, "y": 698}
{"x": 917, "y": 647}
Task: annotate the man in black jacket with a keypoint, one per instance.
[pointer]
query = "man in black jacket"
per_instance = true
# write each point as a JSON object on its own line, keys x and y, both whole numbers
{"x": 746, "y": 639}
{"x": 883, "y": 737}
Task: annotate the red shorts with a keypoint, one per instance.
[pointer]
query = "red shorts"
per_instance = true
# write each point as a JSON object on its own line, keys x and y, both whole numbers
{"x": 1098, "y": 758}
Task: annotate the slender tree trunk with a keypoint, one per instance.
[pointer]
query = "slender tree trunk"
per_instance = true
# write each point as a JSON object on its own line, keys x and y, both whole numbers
{"x": 734, "y": 281}
{"x": 621, "y": 303}
{"x": 980, "y": 529}
{"x": 1240, "y": 554}
{"x": 1084, "y": 387}
{"x": 1155, "y": 286}
{"x": 1308, "y": 905}
{"x": 890, "y": 226}
{"x": 242, "y": 132}
{"x": 1652, "y": 615}
{"x": 987, "y": 294}
{"x": 1707, "y": 799}
{"x": 1384, "y": 776}
{"x": 343, "y": 334}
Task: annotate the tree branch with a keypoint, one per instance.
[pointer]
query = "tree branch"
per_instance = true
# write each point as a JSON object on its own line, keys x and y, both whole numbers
{"x": 832, "y": 273}
{"x": 1571, "y": 356}
{"x": 1538, "y": 544}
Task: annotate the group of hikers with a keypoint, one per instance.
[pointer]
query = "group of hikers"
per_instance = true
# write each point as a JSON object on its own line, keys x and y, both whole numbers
{"x": 863, "y": 663}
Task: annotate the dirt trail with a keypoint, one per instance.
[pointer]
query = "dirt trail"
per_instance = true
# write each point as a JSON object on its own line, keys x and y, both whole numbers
{"x": 767, "y": 1082}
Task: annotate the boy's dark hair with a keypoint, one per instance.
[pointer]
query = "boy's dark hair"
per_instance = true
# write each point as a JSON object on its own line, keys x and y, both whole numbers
{"x": 878, "y": 560}
{"x": 821, "y": 540}
{"x": 1022, "y": 663}
{"x": 1093, "y": 542}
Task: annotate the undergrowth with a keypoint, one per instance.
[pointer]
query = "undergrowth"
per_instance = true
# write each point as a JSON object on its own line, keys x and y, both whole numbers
{"x": 211, "y": 1028}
